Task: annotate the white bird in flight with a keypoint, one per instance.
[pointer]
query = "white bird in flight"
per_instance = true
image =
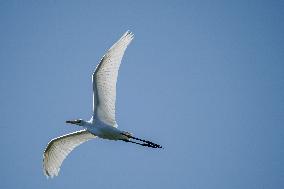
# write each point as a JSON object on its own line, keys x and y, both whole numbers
{"x": 102, "y": 123}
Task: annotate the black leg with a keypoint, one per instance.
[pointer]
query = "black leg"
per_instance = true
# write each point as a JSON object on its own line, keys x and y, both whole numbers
{"x": 145, "y": 142}
{"x": 133, "y": 142}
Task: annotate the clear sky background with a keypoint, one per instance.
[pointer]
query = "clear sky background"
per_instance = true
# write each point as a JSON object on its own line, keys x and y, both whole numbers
{"x": 205, "y": 79}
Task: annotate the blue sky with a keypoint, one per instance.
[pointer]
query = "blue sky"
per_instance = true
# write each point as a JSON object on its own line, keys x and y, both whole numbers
{"x": 204, "y": 79}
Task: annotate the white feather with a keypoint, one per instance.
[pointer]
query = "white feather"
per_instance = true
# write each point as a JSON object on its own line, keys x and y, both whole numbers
{"x": 59, "y": 148}
{"x": 105, "y": 78}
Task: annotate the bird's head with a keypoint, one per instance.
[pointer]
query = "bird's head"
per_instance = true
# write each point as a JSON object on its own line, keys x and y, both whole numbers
{"x": 79, "y": 122}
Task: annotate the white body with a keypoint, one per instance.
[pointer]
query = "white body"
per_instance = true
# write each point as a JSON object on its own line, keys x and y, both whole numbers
{"x": 103, "y": 130}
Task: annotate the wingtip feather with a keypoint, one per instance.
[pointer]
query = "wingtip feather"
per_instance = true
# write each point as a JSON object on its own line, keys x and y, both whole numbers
{"x": 128, "y": 33}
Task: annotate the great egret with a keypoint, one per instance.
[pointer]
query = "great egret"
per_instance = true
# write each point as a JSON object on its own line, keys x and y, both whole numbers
{"x": 102, "y": 123}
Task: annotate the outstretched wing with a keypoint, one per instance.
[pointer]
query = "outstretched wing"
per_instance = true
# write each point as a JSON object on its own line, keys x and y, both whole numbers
{"x": 104, "y": 80}
{"x": 59, "y": 148}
